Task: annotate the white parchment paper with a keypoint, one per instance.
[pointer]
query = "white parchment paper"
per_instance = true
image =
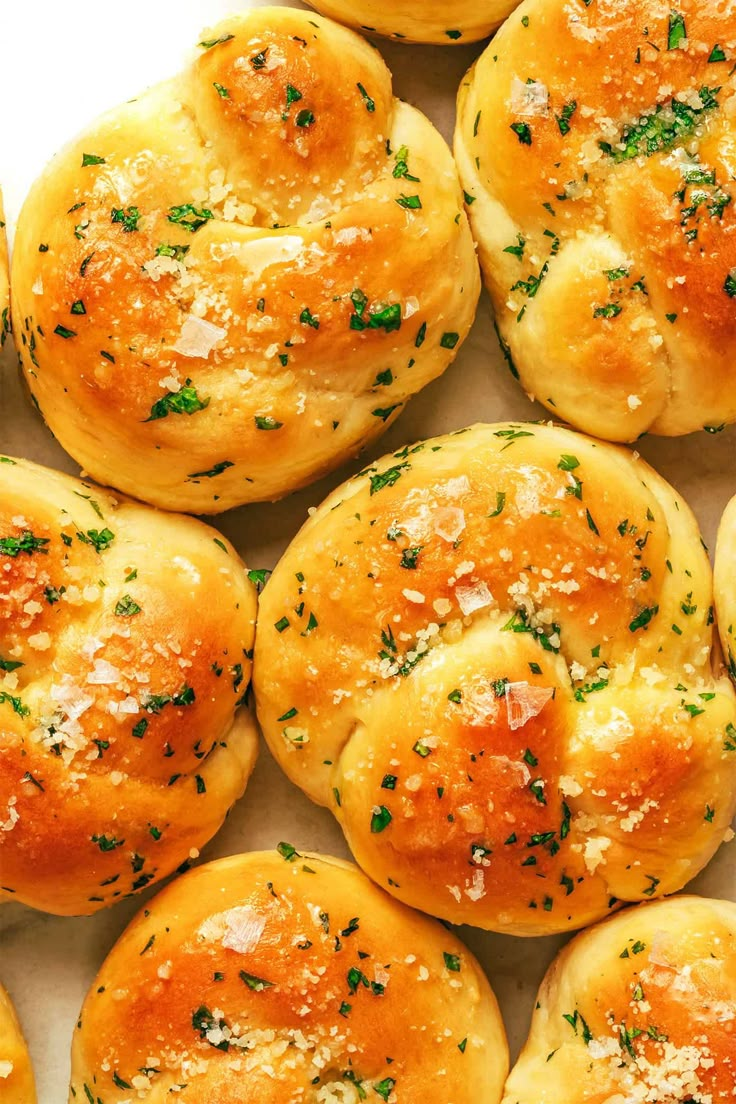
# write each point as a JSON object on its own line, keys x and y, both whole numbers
{"x": 60, "y": 65}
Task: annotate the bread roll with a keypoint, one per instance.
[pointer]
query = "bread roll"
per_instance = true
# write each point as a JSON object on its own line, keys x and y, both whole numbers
{"x": 4, "y": 288}
{"x": 490, "y": 655}
{"x": 16, "y": 1072}
{"x": 594, "y": 142}
{"x": 725, "y": 586}
{"x": 231, "y": 284}
{"x": 289, "y": 977}
{"x": 125, "y": 644}
{"x": 444, "y": 22}
{"x": 639, "y": 1008}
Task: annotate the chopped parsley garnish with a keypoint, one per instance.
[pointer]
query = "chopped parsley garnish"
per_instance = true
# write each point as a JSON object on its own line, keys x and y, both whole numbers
{"x": 184, "y": 401}
{"x": 107, "y": 843}
{"x": 380, "y": 819}
{"x": 26, "y": 542}
{"x": 563, "y": 119}
{"x": 517, "y": 250}
{"x": 519, "y": 623}
{"x": 568, "y": 463}
{"x": 259, "y": 576}
{"x": 256, "y": 984}
{"x": 128, "y": 217}
{"x": 401, "y": 168}
{"x": 312, "y": 624}
{"x": 523, "y": 132}
{"x": 15, "y": 702}
{"x": 500, "y": 503}
{"x": 287, "y": 852}
{"x": 643, "y": 618}
{"x": 729, "y": 742}
{"x": 537, "y": 788}
{"x": 293, "y": 95}
{"x": 370, "y": 105}
{"x": 380, "y": 316}
{"x": 387, "y": 478}
{"x": 677, "y": 31}
{"x": 154, "y": 703}
{"x": 662, "y": 128}
{"x": 266, "y": 422}
{"x": 576, "y": 1020}
{"x": 209, "y": 43}
{"x": 127, "y": 607}
{"x": 409, "y": 557}
{"x": 530, "y": 286}
{"x": 610, "y": 310}
{"x": 218, "y": 469}
{"x": 177, "y": 252}
{"x": 100, "y": 539}
{"x": 385, "y": 412}
{"x": 189, "y": 217}
{"x": 203, "y": 1021}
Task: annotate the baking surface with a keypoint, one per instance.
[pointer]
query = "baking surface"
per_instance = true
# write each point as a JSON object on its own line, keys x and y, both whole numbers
{"x": 80, "y": 67}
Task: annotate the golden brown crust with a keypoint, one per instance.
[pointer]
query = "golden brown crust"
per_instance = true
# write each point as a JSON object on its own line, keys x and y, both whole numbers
{"x": 594, "y": 140}
{"x": 125, "y": 638}
{"x": 16, "y": 1073}
{"x": 231, "y": 284}
{"x": 491, "y": 656}
{"x": 724, "y": 580}
{"x": 443, "y": 22}
{"x": 288, "y": 979}
{"x": 641, "y": 1007}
